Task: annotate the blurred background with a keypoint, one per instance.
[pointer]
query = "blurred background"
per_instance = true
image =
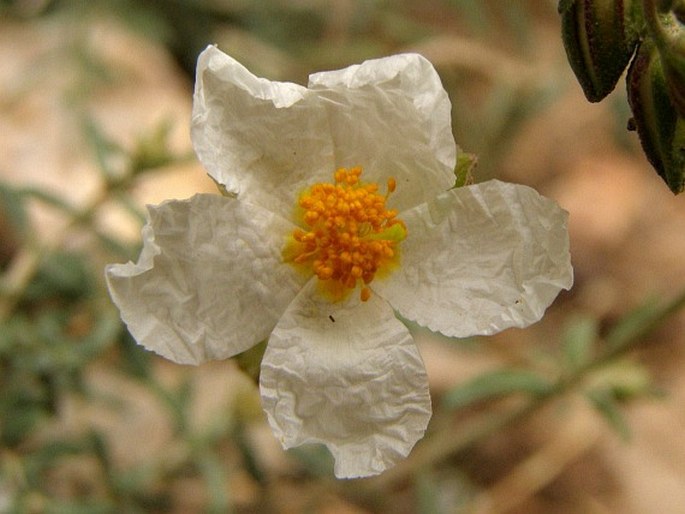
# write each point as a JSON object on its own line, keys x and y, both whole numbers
{"x": 582, "y": 413}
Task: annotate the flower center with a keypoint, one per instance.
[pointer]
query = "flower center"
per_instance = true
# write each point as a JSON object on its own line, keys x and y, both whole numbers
{"x": 348, "y": 236}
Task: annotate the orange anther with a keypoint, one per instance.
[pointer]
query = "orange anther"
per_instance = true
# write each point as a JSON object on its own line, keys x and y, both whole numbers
{"x": 392, "y": 185}
{"x": 310, "y": 217}
{"x": 325, "y": 273}
{"x": 346, "y": 219}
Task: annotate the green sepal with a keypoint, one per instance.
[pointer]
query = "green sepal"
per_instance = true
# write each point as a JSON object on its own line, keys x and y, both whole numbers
{"x": 600, "y": 37}
{"x": 661, "y": 130}
{"x": 463, "y": 170}
{"x": 666, "y": 28}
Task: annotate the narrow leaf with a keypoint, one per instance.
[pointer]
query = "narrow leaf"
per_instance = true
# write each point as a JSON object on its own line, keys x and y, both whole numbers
{"x": 577, "y": 342}
{"x": 216, "y": 479}
{"x": 635, "y": 325}
{"x": 496, "y": 384}
{"x": 605, "y": 403}
{"x": 427, "y": 493}
{"x": 103, "y": 147}
{"x": 12, "y": 208}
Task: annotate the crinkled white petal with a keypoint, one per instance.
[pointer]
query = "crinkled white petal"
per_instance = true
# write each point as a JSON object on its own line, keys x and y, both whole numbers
{"x": 480, "y": 259}
{"x": 209, "y": 282}
{"x": 347, "y": 375}
{"x": 268, "y": 141}
{"x": 392, "y": 116}
{"x": 264, "y": 140}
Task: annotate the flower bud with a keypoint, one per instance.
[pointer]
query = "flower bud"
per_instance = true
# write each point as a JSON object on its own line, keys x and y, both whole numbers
{"x": 660, "y": 128}
{"x": 665, "y": 24}
{"x": 600, "y": 37}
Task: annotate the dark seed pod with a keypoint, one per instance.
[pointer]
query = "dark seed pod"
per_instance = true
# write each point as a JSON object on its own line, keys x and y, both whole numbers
{"x": 599, "y": 36}
{"x": 660, "y": 128}
{"x": 666, "y": 25}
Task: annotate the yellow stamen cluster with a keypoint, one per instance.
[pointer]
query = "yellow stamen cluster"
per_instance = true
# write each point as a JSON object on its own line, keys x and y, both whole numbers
{"x": 348, "y": 234}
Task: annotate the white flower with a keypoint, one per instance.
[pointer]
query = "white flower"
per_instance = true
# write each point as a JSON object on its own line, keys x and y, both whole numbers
{"x": 217, "y": 274}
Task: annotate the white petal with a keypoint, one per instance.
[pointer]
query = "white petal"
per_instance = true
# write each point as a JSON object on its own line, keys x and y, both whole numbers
{"x": 268, "y": 141}
{"x": 392, "y": 117}
{"x": 209, "y": 282}
{"x": 348, "y": 376}
{"x": 480, "y": 259}
{"x": 264, "y": 140}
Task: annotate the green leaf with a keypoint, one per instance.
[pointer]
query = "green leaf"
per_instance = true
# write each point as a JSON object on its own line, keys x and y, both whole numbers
{"x": 496, "y": 384}
{"x": 51, "y": 199}
{"x": 606, "y": 403}
{"x": 152, "y": 150}
{"x": 427, "y": 493}
{"x": 103, "y": 332}
{"x": 577, "y": 342}
{"x": 100, "y": 450}
{"x": 176, "y": 400}
{"x": 635, "y": 325}
{"x": 21, "y": 416}
{"x": 61, "y": 274}
{"x": 625, "y": 379}
{"x": 13, "y": 210}
{"x": 103, "y": 147}
{"x": 135, "y": 360}
{"x": 248, "y": 453}
{"x": 133, "y": 209}
{"x": 639, "y": 323}
{"x": 60, "y": 204}
{"x": 215, "y": 478}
